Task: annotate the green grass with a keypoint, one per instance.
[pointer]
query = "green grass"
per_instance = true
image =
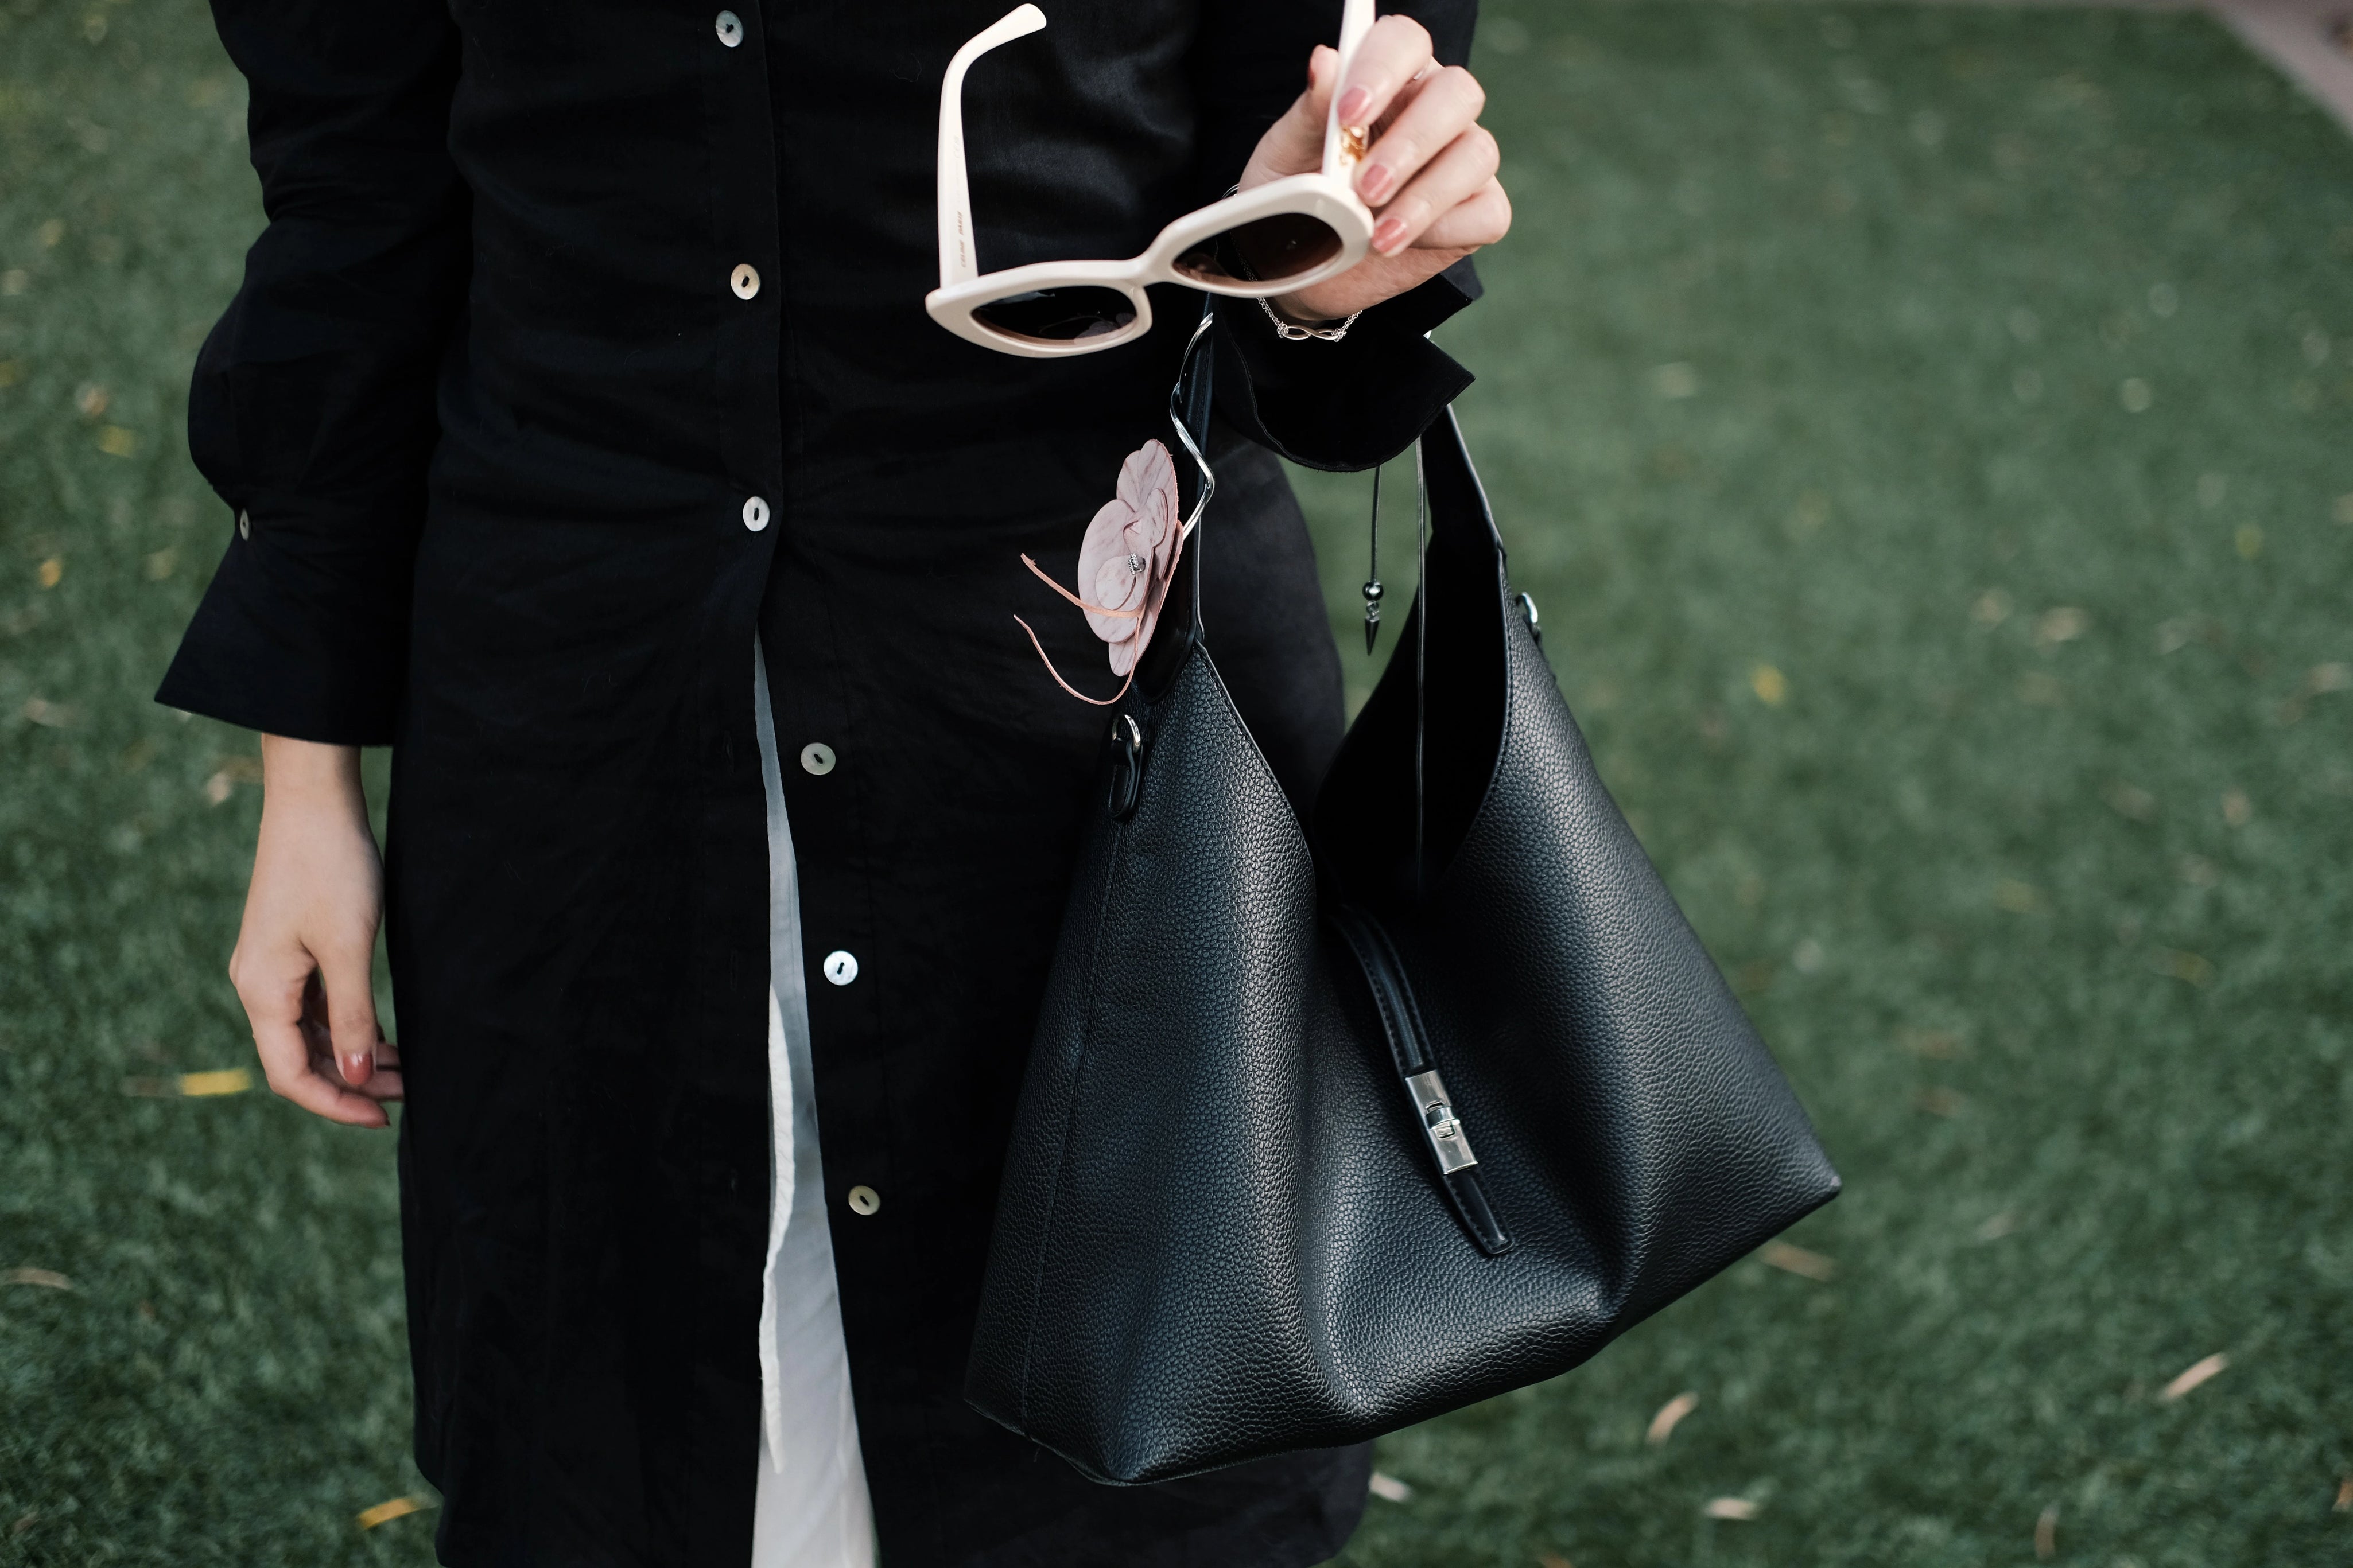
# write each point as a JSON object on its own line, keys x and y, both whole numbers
{"x": 2035, "y": 876}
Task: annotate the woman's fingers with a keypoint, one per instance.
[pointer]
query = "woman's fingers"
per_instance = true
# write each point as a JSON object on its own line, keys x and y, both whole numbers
{"x": 1391, "y": 55}
{"x": 373, "y": 1073}
{"x": 1445, "y": 106}
{"x": 274, "y": 987}
{"x": 1482, "y": 219}
{"x": 1461, "y": 171}
{"x": 385, "y": 1083}
{"x": 345, "y": 970}
{"x": 1428, "y": 176}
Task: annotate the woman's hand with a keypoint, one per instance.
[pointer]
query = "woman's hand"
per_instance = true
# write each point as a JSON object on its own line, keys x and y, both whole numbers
{"x": 305, "y": 955}
{"x": 1429, "y": 177}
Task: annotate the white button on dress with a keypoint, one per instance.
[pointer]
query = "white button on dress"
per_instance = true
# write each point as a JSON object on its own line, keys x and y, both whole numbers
{"x": 745, "y": 281}
{"x": 816, "y": 757}
{"x": 841, "y": 967}
{"x": 756, "y": 514}
{"x": 812, "y": 1509}
{"x": 730, "y": 27}
{"x": 865, "y": 1200}
{"x": 244, "y": 525}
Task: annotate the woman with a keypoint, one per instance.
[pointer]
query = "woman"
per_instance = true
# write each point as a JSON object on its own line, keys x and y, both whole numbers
{"x": 585, "y": 353}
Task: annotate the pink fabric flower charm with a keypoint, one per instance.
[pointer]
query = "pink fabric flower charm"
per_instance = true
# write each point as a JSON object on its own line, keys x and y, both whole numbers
{"x": 1128, "y": 553}
{"x": 1125, "y": 564}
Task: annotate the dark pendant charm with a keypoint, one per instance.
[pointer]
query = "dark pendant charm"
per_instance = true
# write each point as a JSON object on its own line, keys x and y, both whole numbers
{"x": 1372, "y": 612}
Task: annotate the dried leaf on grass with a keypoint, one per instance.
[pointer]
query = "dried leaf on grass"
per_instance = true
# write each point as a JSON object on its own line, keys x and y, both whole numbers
{"x": 2345, "y": 1495}
{"x": 2190, "y": 1376}
{"x": 2181, "y": 965}
{"x": 234, "y": 770}
{"x": 1388, "y": 1488}
{"x": 1553, "y": 1560}
{"x": 1797, "y": 1260}
{"x": 1670, "y": 1417}
{"x": 2046, "y": 1533}
{"x": 2130, "y": 800}
{"x": 2018, "y": 898}
{"x": 1729, "y": 1508}
{"x": 47, "y": 1279}
{"x": 227, "y": 1081}
{"x": 191, "y": 1085}
{"x": 1940, "y": 1101}
{"x": 2063, "y": 624}
{"x": 394, "y": 1508}
{"x": 2000, "y": 1225}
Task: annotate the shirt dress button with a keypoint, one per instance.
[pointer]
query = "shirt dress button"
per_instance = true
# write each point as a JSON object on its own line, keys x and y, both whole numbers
{"x": 864, "y": 1200}
{"x": 244, "y": 525}
{"x": 816, "y": 757}
{"x": 756, "y": 514}
{"x": 841, "y": 967}
{"x": 745, "y": 281}
{"x": 731, "y": 28}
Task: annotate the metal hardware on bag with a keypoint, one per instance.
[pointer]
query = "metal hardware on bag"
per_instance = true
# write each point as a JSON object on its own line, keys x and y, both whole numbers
{"x": 1446, "y": 1136}
{"x": 1528, "y": 608}
{"x": 1126, "y": 740}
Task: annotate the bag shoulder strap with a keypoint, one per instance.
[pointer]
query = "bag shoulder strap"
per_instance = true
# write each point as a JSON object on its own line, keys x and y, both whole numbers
{"x": 1190, "y": 405}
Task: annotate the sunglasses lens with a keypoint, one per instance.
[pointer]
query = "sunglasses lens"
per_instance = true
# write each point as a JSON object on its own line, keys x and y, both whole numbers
{"x": 1283, "y": 245}
{"x": 1060, "y": 315}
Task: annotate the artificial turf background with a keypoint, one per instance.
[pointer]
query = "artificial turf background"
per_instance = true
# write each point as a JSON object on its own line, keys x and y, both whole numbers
{"x": 1929, "y": 436}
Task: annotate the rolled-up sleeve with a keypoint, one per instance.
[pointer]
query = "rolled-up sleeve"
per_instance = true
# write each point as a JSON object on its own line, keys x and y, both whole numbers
{"x": 312, "y": 411}
{"x": 1346, "y": 405}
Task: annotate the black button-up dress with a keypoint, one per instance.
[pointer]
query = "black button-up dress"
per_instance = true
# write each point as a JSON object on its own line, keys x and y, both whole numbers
{"x": 495, "y": 412}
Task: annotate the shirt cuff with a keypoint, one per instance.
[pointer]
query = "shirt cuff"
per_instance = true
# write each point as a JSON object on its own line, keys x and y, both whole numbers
{"x": 1350, "y": 404}
{"x": 304, "y": 633}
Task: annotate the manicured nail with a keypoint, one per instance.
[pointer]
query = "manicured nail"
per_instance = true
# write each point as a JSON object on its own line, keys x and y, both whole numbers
{"x": 358, "y": 1067}
{"x": 1373, "y": 184}
{"x": 1388, "y": 236}
{"x": 1352, "y": 104}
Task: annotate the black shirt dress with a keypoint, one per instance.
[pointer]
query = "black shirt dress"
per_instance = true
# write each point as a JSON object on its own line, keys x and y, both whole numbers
{"x": 492, "y": 419}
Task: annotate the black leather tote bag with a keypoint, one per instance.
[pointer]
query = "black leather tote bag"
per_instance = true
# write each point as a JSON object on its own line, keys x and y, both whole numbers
{"x": 1325, "y": 1134}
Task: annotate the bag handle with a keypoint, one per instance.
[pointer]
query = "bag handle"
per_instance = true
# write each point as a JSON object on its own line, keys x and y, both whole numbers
{"x": 1190, "y": 401}
{"x": 1418, "y": 761}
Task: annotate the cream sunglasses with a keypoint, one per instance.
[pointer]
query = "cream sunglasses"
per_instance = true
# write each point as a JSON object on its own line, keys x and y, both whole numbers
{"x": 1284, "y": 235}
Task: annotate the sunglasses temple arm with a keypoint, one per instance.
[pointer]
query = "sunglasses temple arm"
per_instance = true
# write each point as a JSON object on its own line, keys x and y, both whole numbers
{"x": 1355, "y": 21}
{"x": 957, "y": 262}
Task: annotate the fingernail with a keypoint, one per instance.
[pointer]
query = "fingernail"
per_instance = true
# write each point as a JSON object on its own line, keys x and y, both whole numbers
{"x": 1352, "y": 104}
{"x": 358, "y": 1067}
{"x": 1373, "y": 184}
{"x": 1389, "y": 235}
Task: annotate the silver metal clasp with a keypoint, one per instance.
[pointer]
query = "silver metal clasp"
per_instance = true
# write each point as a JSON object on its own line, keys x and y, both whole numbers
{"x": 1445, "y": 1130}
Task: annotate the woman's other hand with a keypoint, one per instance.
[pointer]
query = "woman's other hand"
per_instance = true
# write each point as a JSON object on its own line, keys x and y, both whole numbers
{"x": 1428, "y": 176}
{"x": 304, "y": 964}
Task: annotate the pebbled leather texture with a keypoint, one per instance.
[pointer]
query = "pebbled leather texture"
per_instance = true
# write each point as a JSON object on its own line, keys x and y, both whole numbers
{"x": 1222, "y": 1232}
